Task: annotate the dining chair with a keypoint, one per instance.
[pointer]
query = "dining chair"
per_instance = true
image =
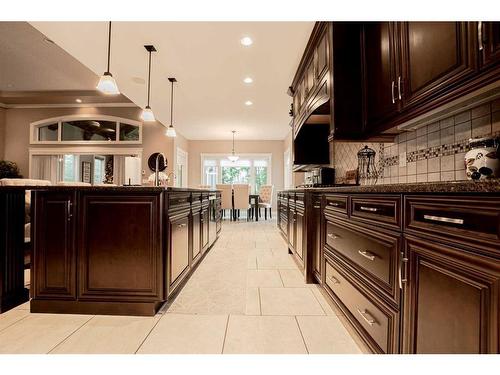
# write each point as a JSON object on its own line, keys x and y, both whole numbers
{"x": 266, "y": 199}
{"x": 226, "y": 198}
{"x": 241, "y": 199}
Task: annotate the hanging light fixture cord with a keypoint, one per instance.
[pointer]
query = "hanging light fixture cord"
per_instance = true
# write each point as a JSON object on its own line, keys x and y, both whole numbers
{"x": 172, "y": 104}
{"x": 233, "y": 140}
{"x": 149, "y": 77}
{"x": 109, "y": 45}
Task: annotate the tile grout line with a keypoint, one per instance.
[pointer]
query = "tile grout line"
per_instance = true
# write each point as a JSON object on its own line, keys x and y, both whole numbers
{"x": 320, "y": 304}
{"x": 71, "y": 334}
{"x": 281, "y": 278}
{"x": 225, "y": 334}
{"x": 149, "y": 333}
{"x": 260, "y": 301}
{"x": 301, "y": 335}
{"x": 17, "y": 321}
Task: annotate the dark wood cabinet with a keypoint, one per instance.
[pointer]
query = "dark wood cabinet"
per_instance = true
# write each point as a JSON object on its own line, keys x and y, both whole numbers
{"x": 489, "y": 43}
{"x": 316, "y": 238}
{"x": 299, "y": 234}
{"x": 205, "y": 222}
{"x": 381, "y": 72}
{"x": 451, "y": 300}
{"x": 196, "y": 235}
{"x": 54, "y": 246}
{"x": 179, "y": 254}
{"x": 435, "y": 57}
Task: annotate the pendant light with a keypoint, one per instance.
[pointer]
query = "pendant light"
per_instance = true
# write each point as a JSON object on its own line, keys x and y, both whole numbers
{"x": 147, "y": 113}
{"x": 107, "y": 84}
{"x": 233, "y": 157}
{"x": 170, "y": 130}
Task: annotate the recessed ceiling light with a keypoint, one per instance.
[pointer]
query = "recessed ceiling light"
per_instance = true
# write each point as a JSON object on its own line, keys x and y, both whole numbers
{"x": 78, "y": 100}
{"x": 248, "y": 80}
{"x": 246, "y": 41}
{"x": 248, "y": 103}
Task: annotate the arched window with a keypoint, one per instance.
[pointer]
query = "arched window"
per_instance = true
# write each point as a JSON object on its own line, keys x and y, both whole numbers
{"x": 86, "y": 129}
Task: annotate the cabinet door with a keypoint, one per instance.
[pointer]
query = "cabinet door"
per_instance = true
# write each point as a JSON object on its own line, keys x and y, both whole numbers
{"x": 322, "y": 56}
{"x": 489, "y": 43}
{"x": 204, "y": 229}
{"x": 316, "y": 217}
{"x": 435, "y": 57}
{"x": 196, "y": 234}
{"x": 379, "y": 72}
{"x": 299, "y": 234}
{"x": 291, "y": 228}
{"x": 451, "y": 300}
{"x": 54, "y": 250}
{"x": 179, "y": 247}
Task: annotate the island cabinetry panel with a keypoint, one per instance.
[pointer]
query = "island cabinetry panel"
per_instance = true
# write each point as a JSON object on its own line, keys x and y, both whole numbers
{"x": 452, "y": 300}
{"x": 205, "y": 223}
{"x": 54, "y": 247}
{"x": 316, "y": 239}
{"x": 12, "y": 290}
{"x": 196, "y": 227}
{"x": 120, "y": 255}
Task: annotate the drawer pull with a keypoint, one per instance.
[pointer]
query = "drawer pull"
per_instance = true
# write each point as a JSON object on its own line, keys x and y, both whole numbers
{"x": 371, "y": 209}
{"x": 334, "y": 204}
{"x": 367, "y": 317}
{"x": 334, "y": 280}
{"x": 332, "y": 235}
{"x": 444, "y": 219}
{"x": 316, "y": 206}
{"x": 367, "y": 254}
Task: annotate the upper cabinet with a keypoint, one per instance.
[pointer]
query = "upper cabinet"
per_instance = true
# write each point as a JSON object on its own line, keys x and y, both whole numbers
{"x": 435, "y": 56}
{"x": 365, "y": 79}
{"x": 380, "y": 71}
{"x": 489, "y": 43}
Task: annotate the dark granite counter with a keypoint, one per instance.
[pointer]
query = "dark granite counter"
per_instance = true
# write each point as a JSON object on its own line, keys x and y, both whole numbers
{"x": 491, "y": 186}
{"x": 107, "y": 188}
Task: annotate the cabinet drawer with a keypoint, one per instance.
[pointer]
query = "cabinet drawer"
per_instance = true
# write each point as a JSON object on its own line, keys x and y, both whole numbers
{"x": 377, "y": 324}
{"x": 462, "y": 220}
{"x": 374, "y": 254}
{"x": 383, "y": 210}
{"x": 336, "y": 203}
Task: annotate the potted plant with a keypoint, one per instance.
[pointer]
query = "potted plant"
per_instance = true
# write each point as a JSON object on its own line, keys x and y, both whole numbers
{"x": 9, "y": 169}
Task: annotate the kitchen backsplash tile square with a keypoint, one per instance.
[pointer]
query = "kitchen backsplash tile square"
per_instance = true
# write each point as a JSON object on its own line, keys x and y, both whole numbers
{"x": 434, "y": 152}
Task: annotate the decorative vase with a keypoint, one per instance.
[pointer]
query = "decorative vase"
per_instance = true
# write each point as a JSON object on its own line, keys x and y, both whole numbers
{"x": 482, "y": 161}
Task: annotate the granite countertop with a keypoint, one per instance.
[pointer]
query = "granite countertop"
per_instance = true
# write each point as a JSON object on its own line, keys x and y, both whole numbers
{"x": 107, "y": 188}
{"x": 490, "y": 186}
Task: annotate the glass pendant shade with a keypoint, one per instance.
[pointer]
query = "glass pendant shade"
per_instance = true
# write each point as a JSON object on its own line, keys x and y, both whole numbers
{"x": 233, "y": 158}
{"x": 147, "y": 114}
{"x": 107, "y": 85}
{"x": 171, "y": 132}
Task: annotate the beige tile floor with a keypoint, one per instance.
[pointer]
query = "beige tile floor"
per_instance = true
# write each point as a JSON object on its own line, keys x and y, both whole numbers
{"x": 247, "y": 296}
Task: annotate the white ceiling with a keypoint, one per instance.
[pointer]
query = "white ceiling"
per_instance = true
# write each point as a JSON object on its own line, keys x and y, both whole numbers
{"x": 209, "y": 63}
{"x": 30, "y": 63}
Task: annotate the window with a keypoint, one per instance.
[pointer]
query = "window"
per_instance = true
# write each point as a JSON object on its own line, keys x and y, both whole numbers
{"x": 70, "y": 166}
{"x": 249, "y": 169}
{"x": 84, "y": 129}
{"x": 99, "y": 169}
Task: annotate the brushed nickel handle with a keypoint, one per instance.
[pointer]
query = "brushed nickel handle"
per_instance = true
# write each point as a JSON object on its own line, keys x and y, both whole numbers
{"x": 399, "y": 87}
{"x": 316, "y": 206}
{"x": 367, "y": 317}
{"x": 68, "y": 208}
{"x": 480, "y": 35}
{"x": 334, "y": 204}
{"x": 367, "y": 254}
{"x": 334, "y": 279}
{"x": 392, "y": 93}
{"x": 371, "y": 209}
{"x": 333, "y": 236}
{"x": 444, "y": 219}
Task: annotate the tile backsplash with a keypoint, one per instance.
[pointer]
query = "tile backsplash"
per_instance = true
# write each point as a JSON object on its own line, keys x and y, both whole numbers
{"x": 434, "y": 152}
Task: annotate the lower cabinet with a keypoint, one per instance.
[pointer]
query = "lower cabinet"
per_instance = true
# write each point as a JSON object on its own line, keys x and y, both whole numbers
{"x": 299, "y": 234}
{"x": 196, "y": 239}
{"x": 205, "y": 222}
{"x": 451, "y": 300}
{"x": 54, "y": 246}
{"x": 179, "y": 249}
{"x": 377, "y": 323}
{"x": 317, "y": 246}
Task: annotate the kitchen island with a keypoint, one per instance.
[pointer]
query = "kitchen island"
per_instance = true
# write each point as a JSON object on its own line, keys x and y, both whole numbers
{"x": 117, "y": 250}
